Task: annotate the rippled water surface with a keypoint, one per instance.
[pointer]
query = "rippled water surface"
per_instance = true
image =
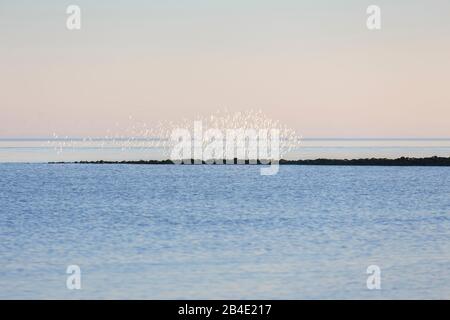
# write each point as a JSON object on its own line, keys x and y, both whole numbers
{"x": 223, "y": 231}
{"x": 70, "y": 150}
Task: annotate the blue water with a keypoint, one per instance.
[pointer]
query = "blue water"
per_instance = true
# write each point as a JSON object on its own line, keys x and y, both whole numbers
{"x": 224, "y": 231}
{"x": 28, "y": 150}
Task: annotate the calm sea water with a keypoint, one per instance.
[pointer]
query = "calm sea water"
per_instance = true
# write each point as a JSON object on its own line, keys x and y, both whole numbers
{"x": 68, "y": 149}
{"x": 224, "y": 231}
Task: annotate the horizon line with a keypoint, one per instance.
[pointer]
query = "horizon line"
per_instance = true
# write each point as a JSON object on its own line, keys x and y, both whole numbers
{"x": 125, "y": 138}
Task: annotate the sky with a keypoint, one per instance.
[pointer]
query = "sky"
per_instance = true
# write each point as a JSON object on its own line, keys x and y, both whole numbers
{"x": 313, "y": 65}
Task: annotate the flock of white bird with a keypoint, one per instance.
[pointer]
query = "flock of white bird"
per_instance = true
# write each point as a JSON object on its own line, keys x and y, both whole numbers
{"x": 140, "y": 135}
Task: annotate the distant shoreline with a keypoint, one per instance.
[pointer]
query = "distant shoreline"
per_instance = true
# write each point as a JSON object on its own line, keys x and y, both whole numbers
{"x": 402, "y": 162}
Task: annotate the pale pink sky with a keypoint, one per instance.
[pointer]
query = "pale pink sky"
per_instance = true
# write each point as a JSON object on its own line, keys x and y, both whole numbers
{"x": 314, "y": 67}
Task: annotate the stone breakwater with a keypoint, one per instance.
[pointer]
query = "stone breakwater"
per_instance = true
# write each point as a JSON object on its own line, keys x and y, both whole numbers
{"x": 403, "y": 161}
